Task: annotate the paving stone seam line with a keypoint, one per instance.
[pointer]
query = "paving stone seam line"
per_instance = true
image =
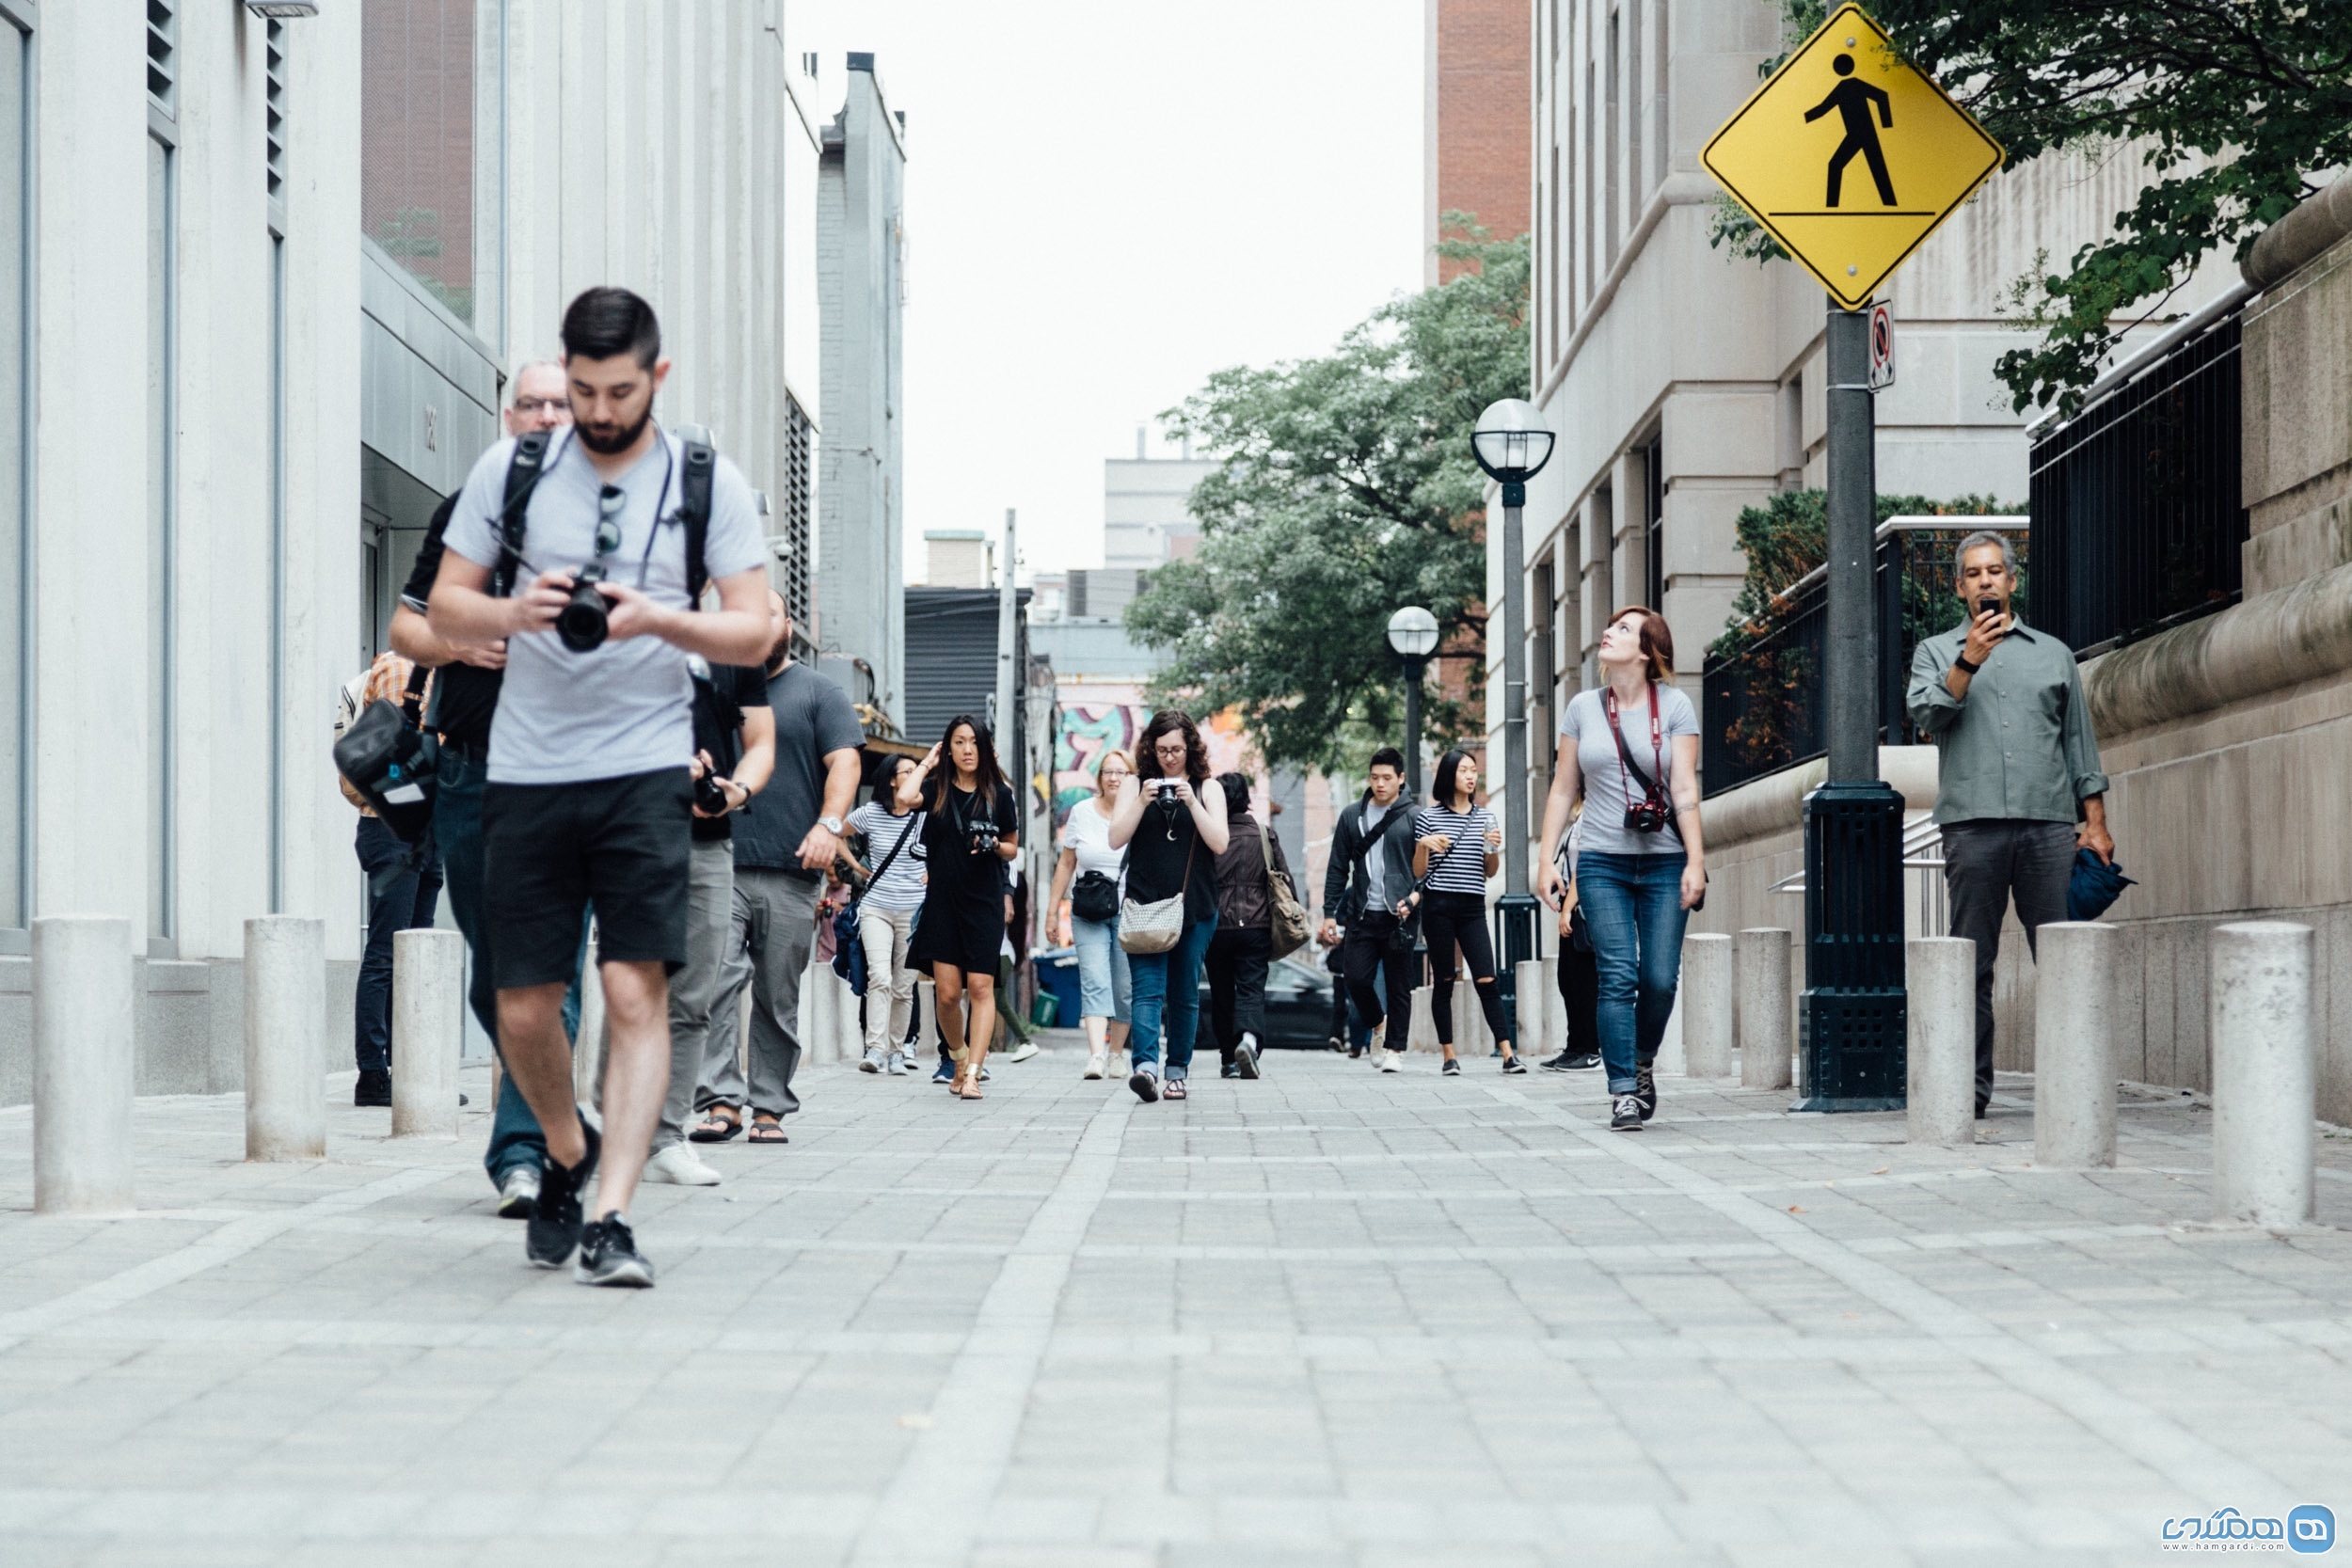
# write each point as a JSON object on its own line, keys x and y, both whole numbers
{"x": 937, "y": 1504}
{"x": 2188, "y": 1461}
{"x": 230, "y": 1241}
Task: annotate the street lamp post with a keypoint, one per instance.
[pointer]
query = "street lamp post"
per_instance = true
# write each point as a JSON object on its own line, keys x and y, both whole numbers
{"x": 1413, "y": 633}
{"x": 1512, "y": 443}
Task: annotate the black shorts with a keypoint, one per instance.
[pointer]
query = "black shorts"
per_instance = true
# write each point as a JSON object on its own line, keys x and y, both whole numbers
{"x": 548, "y": 850}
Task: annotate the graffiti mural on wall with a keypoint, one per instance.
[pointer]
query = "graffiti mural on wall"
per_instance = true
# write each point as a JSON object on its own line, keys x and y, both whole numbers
{"x": 1088, "y": 725}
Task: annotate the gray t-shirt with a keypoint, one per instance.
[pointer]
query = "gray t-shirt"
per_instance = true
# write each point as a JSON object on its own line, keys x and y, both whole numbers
{"x": 1606, "y": 780}
{"x": 625, "y": 707}
{"x": 814, "y": 719}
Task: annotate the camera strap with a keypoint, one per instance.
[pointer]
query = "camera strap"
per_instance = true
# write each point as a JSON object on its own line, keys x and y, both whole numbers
{"x": 523, "y": 473}
{"x": 1625, "y": 755}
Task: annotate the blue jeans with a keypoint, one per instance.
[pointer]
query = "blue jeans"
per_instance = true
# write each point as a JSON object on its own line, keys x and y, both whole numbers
{"x": 1167, "y": 985}
{"x": 515, "y": 1136}
{"x": 1104, "y": 977}
{"x": 404, "y": 902}
{"x": 1634, "y": 906}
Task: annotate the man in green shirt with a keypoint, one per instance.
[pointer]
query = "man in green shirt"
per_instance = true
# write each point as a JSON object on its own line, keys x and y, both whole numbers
{"x": 2018, "y": 788}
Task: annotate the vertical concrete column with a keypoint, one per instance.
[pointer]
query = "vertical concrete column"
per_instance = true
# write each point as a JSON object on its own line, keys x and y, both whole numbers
{"x": 1539, "y": 1008}
{"x": 927, "y": 1008}
{"x": 2074, "y": 1044}
{"x": 588, "y": 1045}
{"x": 82, "y": 1001}
{"x": 285, "y": 1037}
{"x": 1471, "y": 1036}
{"x": 1421, "y": 1032}
{"x": 1940, "y": 1057}
{"x": 428, "y": 1031}
{"x": 2264, "y": 1076}
{"x": 1707, "y": 1005}
{"x": 1760, "y": 962}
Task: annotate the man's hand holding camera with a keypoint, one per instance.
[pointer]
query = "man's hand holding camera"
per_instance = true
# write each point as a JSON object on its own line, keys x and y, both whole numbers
{"x": 715, "y": 795}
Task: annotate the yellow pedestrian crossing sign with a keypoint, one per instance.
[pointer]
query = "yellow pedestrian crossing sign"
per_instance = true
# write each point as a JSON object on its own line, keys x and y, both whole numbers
{"x": 1849, "y": 156}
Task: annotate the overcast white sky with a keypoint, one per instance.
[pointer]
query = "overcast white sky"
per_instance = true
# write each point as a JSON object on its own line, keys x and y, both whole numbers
{"x": 1107, "y": 200}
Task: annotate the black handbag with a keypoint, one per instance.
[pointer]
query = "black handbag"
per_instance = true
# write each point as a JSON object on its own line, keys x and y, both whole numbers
{"x": 1095, "y": 897}
{"x": 390, "y": 760}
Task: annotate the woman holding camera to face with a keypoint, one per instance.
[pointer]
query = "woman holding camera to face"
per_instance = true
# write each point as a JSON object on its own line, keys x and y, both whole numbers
{"x": 1630, "y": 749}
{"x": 970, "y": 830}
{"x": 1456, "y": 846}
{"x": 1172, "y": 827}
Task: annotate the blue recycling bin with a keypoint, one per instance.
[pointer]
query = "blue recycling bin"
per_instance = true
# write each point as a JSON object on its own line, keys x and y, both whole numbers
{"x": 1058, "y": 977}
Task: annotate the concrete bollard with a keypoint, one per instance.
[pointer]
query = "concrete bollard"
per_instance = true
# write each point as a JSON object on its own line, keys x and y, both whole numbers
{"x": 1940, "y": 1055}
{"x": 927, "y": 1009}
{"x": 82, "y": 1064}
{"x": 2265, "y": 1139}
{"x": 1759, "y": 961}
{"x": 428, "y": 1031}
{"x": 1538, "y": 1006}
{"x": 1420, "y": 1027}
{"x": 2073, "y": 1045}
{"x": 1470, "y": 1035}
{"x": 1707, "y": 1005}
{"x": 285, "y": 1037}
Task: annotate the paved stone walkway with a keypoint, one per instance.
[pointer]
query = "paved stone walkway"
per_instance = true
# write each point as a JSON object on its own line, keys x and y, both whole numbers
{"x": 1328, "y": 1318}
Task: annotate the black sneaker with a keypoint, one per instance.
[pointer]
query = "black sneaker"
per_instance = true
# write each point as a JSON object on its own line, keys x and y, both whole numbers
{"x": 1245, "y": 1055}
{"x": 1585, "y": 1063}
{"x": 1645, "y": 1090}
{"x": 1145, "y": 1081}
{"x": 608, "y": 1256}
{"x": 553, "y": 1231}
{"x": 374, "y": 1087}
{"x": 1452, "y": 1067}
{"x": 1514, "y": 1063}
{"x": 1625, "y": 1113}
{"x": 1228, "y": 1070}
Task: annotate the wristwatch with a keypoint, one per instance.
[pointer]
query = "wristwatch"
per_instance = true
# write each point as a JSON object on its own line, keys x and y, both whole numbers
{"x": 831, "y": 824}
{"x": 1961, "y": 661}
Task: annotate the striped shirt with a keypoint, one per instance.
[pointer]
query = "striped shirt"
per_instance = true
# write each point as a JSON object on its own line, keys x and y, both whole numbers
{"x": 1463, "y": 867}
{"x": 901, "y": 885}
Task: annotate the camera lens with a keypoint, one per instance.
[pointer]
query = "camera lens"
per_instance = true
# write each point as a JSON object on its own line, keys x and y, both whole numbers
{"x": 582, "y": 624}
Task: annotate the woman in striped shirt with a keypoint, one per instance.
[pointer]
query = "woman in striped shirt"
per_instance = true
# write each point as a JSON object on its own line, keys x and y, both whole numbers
{"x": 1456, "y": 847}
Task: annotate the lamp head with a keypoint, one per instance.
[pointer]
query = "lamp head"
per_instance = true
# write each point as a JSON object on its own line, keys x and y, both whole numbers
{"x": 1511, "y": 441}
{"x": 1413, "y": 632}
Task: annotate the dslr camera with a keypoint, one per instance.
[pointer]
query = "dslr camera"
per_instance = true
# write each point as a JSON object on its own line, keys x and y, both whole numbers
{"x": 1649, "y": 814}
{"x": 984, "y": 838}
{"x": 583, "y": 623}
{"x": 709, "y": 797}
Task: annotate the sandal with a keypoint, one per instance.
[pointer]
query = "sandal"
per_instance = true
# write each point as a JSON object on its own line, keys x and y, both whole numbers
{"x": 767, "y": 1130}
{"x": 719, "y": 1124}
{"x": 1173, "y": 1089}
{"x": 969, "y": 1089}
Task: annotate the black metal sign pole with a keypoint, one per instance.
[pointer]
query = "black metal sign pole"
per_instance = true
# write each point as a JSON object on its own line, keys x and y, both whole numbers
{"x": 1854, "y": 1012}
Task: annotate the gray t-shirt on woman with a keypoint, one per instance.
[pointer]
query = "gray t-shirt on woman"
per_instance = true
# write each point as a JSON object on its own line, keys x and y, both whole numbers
{"x": 1609, "y": 785}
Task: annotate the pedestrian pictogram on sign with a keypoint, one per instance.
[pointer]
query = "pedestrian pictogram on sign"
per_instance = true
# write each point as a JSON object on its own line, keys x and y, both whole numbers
{"x": 1881, "y": 346}
{"x": 1841, "y": 96}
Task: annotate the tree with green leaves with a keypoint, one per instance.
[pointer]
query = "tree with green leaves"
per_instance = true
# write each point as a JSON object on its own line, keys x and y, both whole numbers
{"x": 1345, "y": 491}
{"x": 2231, "y": 107}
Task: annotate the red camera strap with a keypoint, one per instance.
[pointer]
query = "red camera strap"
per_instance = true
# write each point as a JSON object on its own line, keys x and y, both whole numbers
{"x": 1657, "y": 746}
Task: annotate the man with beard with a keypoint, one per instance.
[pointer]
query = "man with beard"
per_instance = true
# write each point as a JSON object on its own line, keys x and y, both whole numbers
{"x": 590, "y": 792}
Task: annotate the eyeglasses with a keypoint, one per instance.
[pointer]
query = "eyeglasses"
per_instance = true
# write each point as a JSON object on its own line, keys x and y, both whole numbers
{"x": 530, "y": 406}
{"x": 610, "y": 500}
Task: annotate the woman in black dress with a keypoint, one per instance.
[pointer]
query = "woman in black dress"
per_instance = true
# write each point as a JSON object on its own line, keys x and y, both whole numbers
{"x": 1172, "y": 827}
{"x": 970, "y": 830}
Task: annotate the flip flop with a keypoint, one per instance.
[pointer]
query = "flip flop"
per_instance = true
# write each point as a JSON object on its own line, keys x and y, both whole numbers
{"x": 719, "y": 1124}
{"x": 767, "y": 1133}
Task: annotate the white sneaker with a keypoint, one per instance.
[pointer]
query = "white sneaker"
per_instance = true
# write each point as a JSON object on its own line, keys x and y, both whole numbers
{"x": 518, "y": 1194}
{"x": 1021, "y": 1052}
{"x": 873, "y": 1060}
{"x": 1097, "y": 1064}
{"x": 677, "y": 1165}
{"x": 1391, "y": 1061}
{"x": 898, "y": 1065}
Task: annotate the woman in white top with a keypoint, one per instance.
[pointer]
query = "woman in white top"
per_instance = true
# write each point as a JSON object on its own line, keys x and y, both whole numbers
{"x": 891, "y": 836}
{"x": 1088, "y": 859}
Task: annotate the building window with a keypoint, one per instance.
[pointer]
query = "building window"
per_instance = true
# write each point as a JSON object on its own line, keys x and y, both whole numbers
{"x": 16, "y": 604}
{"x": 163, "y": 57}
{"x": 430, "y": 113}
{"x": 795, "y": 527}
{"x": 1654, "y": 524}
{"x": 1544, "y": 657}
{"x": 161, "y": 520}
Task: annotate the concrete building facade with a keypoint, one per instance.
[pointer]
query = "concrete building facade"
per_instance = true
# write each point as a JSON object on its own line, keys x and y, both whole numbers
{"x": 1147, "y": 518}
{"x": 233, "y": 389}
{"x": 861, "y": 269}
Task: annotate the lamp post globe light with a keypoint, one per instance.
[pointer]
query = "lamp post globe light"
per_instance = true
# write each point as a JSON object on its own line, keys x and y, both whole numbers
{"x": 1413, "y": 633}
{"x": 1512, "y": 442}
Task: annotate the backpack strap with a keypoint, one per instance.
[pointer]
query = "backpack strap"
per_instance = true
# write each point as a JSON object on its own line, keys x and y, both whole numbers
{"x": 523, "y": 472}
{"x": 694, "y": 511}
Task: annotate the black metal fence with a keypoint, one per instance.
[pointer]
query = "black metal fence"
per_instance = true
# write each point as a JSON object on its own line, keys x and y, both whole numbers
{"x": 2137, "y": 523}
{"x": 1765, "y": 704}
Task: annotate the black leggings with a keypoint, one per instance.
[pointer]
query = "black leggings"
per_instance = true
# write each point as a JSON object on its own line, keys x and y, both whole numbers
{"x": 1449, "y": 920}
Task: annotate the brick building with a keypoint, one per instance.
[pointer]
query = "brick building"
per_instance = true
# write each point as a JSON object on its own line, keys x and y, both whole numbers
{"x": 1477, "y": 123}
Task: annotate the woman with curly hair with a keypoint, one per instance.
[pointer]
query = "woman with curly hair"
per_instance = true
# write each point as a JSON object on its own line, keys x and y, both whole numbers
{"x": 1172, "y": 827}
